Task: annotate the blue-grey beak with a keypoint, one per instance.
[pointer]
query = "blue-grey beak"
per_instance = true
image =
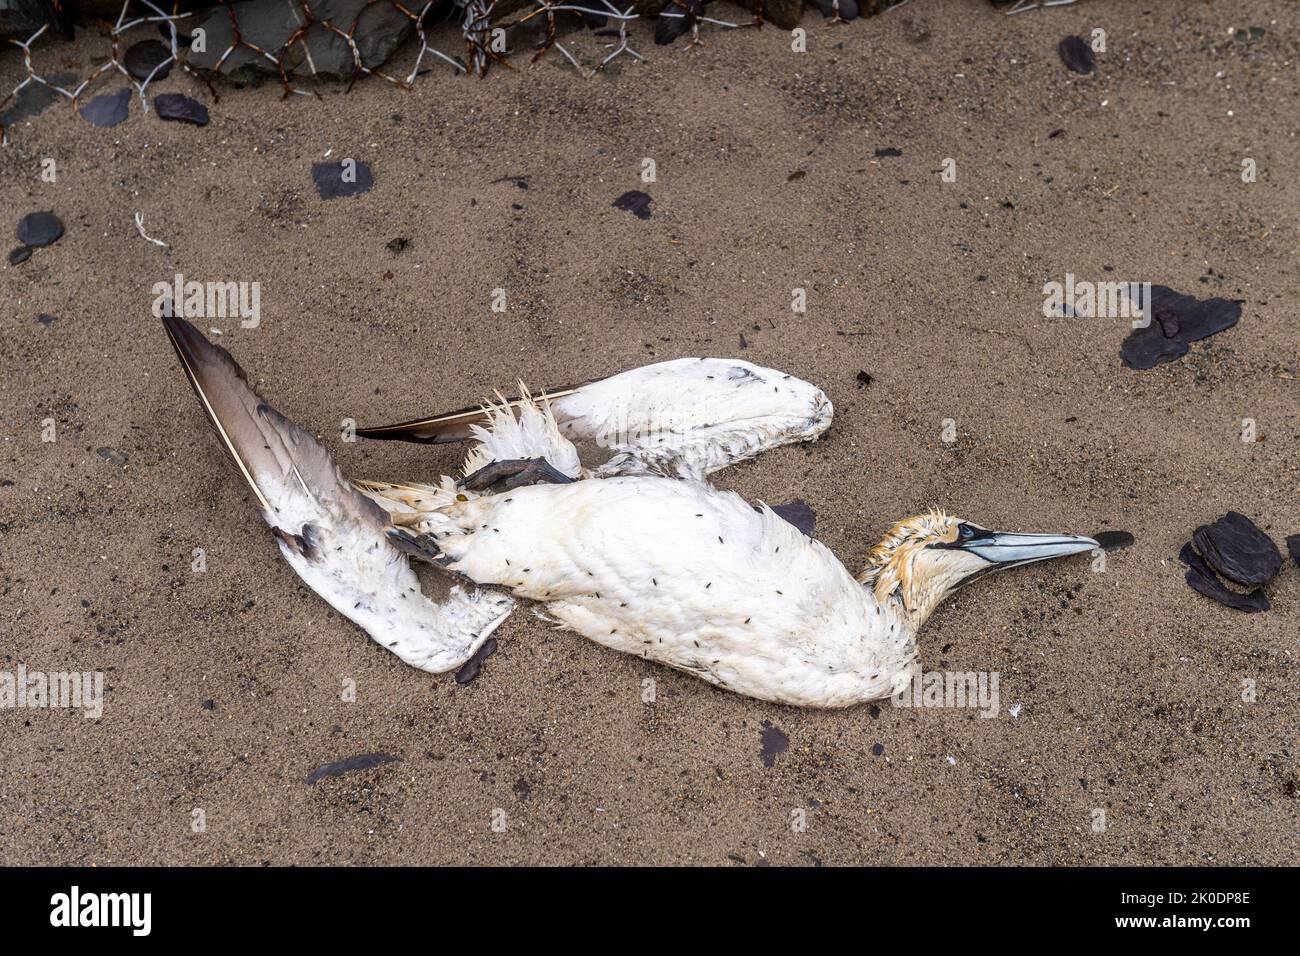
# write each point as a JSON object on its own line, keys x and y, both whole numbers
{"x": 1005, "y": 548}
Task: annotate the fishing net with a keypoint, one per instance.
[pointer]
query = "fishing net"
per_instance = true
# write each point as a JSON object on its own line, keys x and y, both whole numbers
{"x": 298, "y": 42}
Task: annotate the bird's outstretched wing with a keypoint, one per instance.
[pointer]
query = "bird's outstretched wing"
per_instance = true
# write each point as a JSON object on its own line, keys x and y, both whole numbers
{"x": 336, "y": 538}
{"x": 682, "y": 418}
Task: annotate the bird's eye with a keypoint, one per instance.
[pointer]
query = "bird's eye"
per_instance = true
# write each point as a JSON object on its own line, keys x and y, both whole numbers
{"x": 965, "y": 532}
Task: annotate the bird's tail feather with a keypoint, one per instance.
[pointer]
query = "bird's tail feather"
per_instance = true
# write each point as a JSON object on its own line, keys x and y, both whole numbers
{"x": 335, "y": 537}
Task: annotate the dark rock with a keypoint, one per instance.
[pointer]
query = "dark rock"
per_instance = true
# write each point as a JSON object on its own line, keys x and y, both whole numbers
{"x": 331, "y": 184}
{"x": 888, "y": 151}
{"x": 1238, "y": 550}
{"x": 380, "y": 29}
{"x": 46, "y": 319}
{"x": 180, "y": 108}
{"x": 799, "y": 513}
{"x": 635, "y": 202}
{"x": 1293, "y": 547}
{"x": 108, "y": 109}
{"x": 1202, "y": 579}
{"x": 21, "y": 18}
{"x": 786, "y": 14}
{"x": 668, "y": 29}
{"x": 19, "y": 254}
{"x": 471, "y": 668}
{"x": 1113, "y": 540}
{"x": 848, "y": 8}
{"x": 864, "y": 378}
{"x": 1076, "y": 55}
{"x": 1176, "y": 321}
{"x": 34, "y": 98}
{"x": 142, "y": 58}
{"x": 351, "y": 764}
{"x": 877, "y": 749}
{"x": 209, "y": 704}
{"x": 398, "y": 245}
{"x": 38, "y": 229}
{"x": 774, "y": 742}
{"x": 521, "y": 789}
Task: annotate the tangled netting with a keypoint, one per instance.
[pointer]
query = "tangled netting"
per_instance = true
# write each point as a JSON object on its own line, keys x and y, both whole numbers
{"x": 483, "y": 37}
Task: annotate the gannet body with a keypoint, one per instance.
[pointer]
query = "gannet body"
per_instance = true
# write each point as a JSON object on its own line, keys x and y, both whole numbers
{"x": 688, "y": 576}
{"x": 334, "y": 537}
{"x": 684, "y": 418}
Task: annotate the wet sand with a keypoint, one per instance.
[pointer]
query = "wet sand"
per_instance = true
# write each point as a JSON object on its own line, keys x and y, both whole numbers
{"x": 1129, "y": 685}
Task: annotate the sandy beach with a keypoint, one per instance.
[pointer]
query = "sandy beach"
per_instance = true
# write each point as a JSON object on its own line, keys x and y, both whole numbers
{"x": 223, "y": 687}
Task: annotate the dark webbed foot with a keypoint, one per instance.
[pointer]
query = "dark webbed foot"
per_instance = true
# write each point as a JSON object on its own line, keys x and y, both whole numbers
{"x": 514, "y": 473}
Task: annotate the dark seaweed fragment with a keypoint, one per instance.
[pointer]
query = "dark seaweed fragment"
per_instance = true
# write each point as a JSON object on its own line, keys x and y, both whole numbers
{"x": 1202, "y": 579}
{"x": 1238, "y": 550}
{"x": 1176, "y": 321}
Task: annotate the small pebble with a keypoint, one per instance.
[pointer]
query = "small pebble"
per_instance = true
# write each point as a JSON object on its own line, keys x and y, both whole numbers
{"x": 1076, "y": 55}
{"x": 38, "y": 229}
{"x": 331, "y": 184}
{"x": 774, "y": 742}
{"x": 142, "y": 58}
{"x": 108, "y": 109}
{"x": 180, "y": 108}
{"x": 635, "y": 202}
{"x": 20, "y": 254}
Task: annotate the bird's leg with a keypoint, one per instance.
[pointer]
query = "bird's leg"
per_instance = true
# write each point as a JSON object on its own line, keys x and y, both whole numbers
{"x": 514, "y": 473}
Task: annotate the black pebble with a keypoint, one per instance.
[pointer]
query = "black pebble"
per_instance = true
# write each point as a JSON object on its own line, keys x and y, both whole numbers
{"x": 108, "y": 109}
{"x": 864, "y": 379}
{"x": 471, "y": 668}
{"x": 635, "y": 202}
{"x": 1238, "y": 550}
{"x": 1176, "y": 321}
{"x": 38, "y": 229}
{"x": 1293, "y": 547}
{"x": 209, "y": 704}
{"x": 774, "y": 742}
{"x": 888, "y": 151}
{"x": 142, "y": 58}
{"x": 668, "y": 29}
{"x": 46, "y": 319}
{"x": 399, "y": 244}
{"x": 20, "y": 254}
{"x": 877, "y": 749}
{"x": 1201, "y": 578}
{"x": 1113, "y": 540}
{"x": 1076, "y": 55}
{"x": 331, "y": 185}
{"x": 178, "y": 107}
